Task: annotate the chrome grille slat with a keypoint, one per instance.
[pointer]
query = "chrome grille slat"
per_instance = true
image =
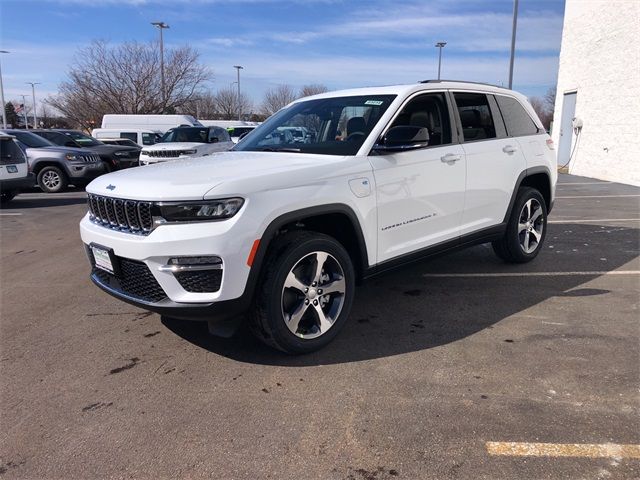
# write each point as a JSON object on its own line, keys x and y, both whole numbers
{"x": 119, "y": 214}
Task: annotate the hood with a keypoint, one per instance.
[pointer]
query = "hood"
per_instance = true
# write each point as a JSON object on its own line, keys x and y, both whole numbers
{"x": 174, "y": 146}
{"x": 42, "y": 150}
{"x": 108, "y": 149}
{"x": 224, "y": 173}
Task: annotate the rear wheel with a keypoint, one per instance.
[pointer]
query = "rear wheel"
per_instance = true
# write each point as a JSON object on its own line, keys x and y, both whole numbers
{"x": 526, "y": 229}
{"x": 52, "y": 180}
{"x": 305, "y": 294}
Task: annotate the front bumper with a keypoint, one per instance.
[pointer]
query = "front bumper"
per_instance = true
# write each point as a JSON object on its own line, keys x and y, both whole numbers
{"x": 153, "y": 252}
{"x": 85, "y": 171}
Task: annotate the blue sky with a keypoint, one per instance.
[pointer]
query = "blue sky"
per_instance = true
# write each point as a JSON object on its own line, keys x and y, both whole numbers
{"x": 340, "y": 43}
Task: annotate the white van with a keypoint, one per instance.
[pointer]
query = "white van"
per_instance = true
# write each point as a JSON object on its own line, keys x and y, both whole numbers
{"x": 155, "y": 123}
{"x": 140, "y": 136}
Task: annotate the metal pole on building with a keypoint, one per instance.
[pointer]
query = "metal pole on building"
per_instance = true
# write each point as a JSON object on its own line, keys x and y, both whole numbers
{"x": 4, "y": 107}
{"x": 513, "y": 41}
{"x": 161, "y": 26}
{"x": 440, "y": 45}
{"x": 24, "y": 111}
{"x": 238, "y": 68}
{"x": 33, "y": 96}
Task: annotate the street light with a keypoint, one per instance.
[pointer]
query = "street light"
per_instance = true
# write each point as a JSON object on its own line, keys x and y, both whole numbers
{"x": 24, "y": 112}
{"x": 440, "y": 46}
{"x": 513, "y": 41}
{"x": 238, "y": 68}
{"x": 33, "y": 95}
{"x": 4, "y": 108}
{"x": 161, "y": 26}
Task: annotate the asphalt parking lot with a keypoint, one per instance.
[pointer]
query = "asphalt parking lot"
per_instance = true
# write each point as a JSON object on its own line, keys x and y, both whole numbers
{"x": 442, "y": 367}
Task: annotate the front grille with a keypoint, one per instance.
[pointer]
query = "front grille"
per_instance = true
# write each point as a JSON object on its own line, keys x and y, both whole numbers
{"x": 164, "y": 153}
{"x": 90, "y": 158}
{"x": 134, "y": 280}
{"x": 204, "y": 281}
{"x": 125, "y": 215}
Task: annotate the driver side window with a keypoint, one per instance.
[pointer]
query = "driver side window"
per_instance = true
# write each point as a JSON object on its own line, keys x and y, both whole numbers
{"x": 428, "y": 111}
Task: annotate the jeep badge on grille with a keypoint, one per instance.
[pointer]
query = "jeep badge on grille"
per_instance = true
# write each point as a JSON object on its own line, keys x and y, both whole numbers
{"x": 111, "y": 187}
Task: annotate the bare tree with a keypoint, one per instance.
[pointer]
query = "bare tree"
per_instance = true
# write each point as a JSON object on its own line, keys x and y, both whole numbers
{"x": 550, "y": 99}
{"x": 277, "y": 98}
{"x": 203, "y": 106}
{"x": 313, "y": 89}
{"x": 126, "y": 79}
{"x": 226, "y": 100}
{"x": 541, "y": 108}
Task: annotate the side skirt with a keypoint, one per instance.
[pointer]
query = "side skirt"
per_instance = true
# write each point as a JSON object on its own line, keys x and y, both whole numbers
{"x": 476, "y": 238}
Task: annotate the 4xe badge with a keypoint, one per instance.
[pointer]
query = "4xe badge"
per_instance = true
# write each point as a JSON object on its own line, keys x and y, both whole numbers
{"x": 111, "y": 187}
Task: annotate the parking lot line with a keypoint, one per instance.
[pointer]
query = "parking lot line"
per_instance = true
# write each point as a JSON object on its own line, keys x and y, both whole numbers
{"x": 3, "y": 214}
{"x": 600, "y": 196}
{"x": 530, "y": 274}
{"x": 596, "y": 220}
{"x": 524, "y": 449}
{"x": 585, "y": 183}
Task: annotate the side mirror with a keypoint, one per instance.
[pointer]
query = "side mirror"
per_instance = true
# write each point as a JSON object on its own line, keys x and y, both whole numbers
{"x": 403, "y": 137}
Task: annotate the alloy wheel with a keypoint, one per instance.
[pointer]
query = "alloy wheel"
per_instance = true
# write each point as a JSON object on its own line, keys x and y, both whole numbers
{"x": 51, "y": 179}
{"x": 313, "y": 295}
{"x": 530, "y": 226}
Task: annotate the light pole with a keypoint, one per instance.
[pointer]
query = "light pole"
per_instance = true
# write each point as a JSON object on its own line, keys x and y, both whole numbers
{"x": 513, "y": 41}
{"x": 238, "y": 68}
{"x": 33, "y": 95}
{"x": 161, "y": 26}
{"x": 4, "y": 107}
{"x": 24, "y": 112}
{"x": 440, "y": 46}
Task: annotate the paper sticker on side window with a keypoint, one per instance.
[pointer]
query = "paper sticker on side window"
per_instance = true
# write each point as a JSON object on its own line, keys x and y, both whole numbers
{"x": 374, "y": 102}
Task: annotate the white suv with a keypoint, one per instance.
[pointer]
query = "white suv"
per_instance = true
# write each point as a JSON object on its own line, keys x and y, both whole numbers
{"x": 187, "y": 142}
{"x": 283, "y": 231}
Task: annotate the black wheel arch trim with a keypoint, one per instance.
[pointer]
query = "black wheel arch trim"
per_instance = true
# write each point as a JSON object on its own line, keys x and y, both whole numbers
{"x": 524, "y": 174}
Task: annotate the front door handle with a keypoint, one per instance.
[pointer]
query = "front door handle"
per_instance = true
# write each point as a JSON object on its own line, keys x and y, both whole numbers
{"x": 450, "y": 158}
{"x": 510, "y": 149}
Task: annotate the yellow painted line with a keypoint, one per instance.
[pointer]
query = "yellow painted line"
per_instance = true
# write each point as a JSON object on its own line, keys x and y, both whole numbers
{"x": 588, "y": 450}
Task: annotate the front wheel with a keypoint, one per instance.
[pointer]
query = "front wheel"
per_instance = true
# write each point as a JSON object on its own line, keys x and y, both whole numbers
{"x": 52, "y": 180}
{"x": 526, "y": 229}
{"x": 305, "y": 293}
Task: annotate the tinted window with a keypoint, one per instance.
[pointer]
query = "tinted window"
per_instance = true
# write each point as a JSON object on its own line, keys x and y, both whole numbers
{"x": 429, "y": 111}
{"x": 133, "y": 136}
{"x": 32, "y": 140}
{"x": 59, "y": 139}
{"x": 516, "y": 118}
{"x": 475, "y": 116}
{"x": 237, "y": 131}
{"x": 222, "y": 134}
{"x": 148, "y": 138}
{"x": 10, "y": 153}
{"x": 82, "y": 139}
{"x": 187, "y": 134}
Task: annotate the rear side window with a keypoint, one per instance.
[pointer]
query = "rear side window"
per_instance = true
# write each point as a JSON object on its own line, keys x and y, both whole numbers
{"x": 221, "y": 134}
{"x": 516, "y": 118}
{"x": 10, "y": 153}
{"x": 133, "y": 136}
{"x": 475, "y": 116}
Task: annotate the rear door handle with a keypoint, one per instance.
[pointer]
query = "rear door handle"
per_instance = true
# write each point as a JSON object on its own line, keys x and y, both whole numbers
{"x": 450, "y": 158}
{"x": 510, "y": 149}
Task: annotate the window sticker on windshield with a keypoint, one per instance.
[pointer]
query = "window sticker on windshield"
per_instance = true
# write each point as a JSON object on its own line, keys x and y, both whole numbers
{"x": 374, "y": 102}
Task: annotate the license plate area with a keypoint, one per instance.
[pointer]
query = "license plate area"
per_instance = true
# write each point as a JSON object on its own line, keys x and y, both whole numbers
{"x": 12, "y": 169}
{"x": 104, "y": 258}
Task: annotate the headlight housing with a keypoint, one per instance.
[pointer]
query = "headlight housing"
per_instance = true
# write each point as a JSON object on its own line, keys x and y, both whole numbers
{"x": 200, "y": 211}
{"x": 189, "y": 152}
{"x": 121, "y": 154}
{"x": 71, "y": 157}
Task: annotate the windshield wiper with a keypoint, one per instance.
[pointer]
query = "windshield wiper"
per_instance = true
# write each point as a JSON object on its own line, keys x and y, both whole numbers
{"x": 281, "y": 149}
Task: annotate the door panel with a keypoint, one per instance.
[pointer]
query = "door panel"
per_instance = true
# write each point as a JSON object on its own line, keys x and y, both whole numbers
{"x": 420, "y": 198}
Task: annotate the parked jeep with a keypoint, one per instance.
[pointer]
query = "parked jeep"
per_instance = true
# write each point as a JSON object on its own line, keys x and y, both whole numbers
{"x": 282, "y": 232}
{"x": 56, "y": 167}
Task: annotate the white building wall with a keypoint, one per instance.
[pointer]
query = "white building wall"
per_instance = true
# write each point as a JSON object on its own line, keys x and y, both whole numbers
{"x": 600, "y": 59}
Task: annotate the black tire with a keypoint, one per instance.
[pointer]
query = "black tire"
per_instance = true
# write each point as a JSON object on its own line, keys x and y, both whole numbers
{"x": 6, "y": 197}
{"x": 511, "y": 247}
{"x": 52, "y": 180}
{"x": 267, "y": 319}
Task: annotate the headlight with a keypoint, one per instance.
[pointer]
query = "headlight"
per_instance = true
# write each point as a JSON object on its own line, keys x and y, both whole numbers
{"x": 195, "y": 211}
{"x": 121, "y": 154}
{"x": 71, "y": 157}
{"x": 189, "y": 152}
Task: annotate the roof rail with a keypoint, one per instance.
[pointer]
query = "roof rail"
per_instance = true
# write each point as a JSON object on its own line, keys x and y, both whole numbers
{"x": 460, "y": 81}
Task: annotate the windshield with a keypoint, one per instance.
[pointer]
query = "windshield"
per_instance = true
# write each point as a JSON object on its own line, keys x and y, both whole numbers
{"x": 328, "y": 126}
{"x": 32, "y": 140}
{"x": 82, "y": 139}
{"x": 188, "y": 134}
